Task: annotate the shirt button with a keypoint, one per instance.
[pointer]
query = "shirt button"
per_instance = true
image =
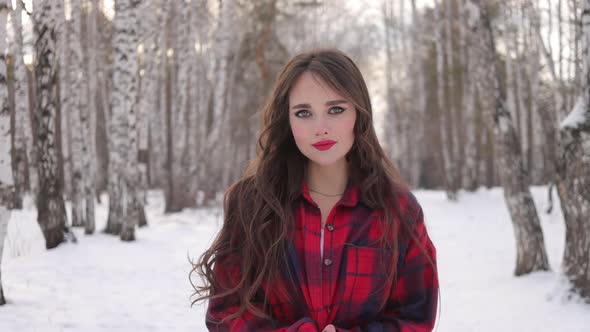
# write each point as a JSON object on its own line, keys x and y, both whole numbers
{"x": 330, "y": 227}
{"x": 327, "y": 262}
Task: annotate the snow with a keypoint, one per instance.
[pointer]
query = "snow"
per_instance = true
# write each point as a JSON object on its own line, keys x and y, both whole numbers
{"x": 577, "y": 116}
{"x": 104, "y": 284}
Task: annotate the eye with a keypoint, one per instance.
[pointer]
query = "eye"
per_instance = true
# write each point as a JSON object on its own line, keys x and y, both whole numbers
{"x": 336, "y": 110}
{"x": 302, "y": 114}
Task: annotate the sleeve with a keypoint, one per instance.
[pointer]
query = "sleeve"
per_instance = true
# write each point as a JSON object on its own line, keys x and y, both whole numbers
{"x": 220, "y": 308}
{"x": 412, "y": 303}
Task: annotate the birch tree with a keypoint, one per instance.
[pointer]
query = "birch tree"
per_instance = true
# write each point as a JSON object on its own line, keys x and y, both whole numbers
{"x": 148, "y": 101}
{"x": 469, "y": 104}
{"x": 81, "y": 177}
{"x": 180, "y": 194}
{"x": 6, "y": 177}
{"x": 223, "y": 47}
{"x": 24, "y": 153}
{"x": 418, "y": 97}
{"x": 574, "y": 175}
{"x": 158, "y": 118}
{"x": 92, "y": 74}
{"x": 125, "y": 207}
{"x": 444, "y": 100}
{"x": 531, "y": 253}
{"x": 50, "y": 203}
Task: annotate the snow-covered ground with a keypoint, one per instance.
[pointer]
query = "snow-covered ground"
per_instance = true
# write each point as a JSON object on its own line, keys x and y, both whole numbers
{"x": 103, "y": 284}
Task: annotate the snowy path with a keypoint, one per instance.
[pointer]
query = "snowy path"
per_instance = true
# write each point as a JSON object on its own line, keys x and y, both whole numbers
{"x": 103, "y": 284}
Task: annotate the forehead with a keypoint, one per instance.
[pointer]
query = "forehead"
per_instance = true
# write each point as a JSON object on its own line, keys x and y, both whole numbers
{"x": 309, "y": 87}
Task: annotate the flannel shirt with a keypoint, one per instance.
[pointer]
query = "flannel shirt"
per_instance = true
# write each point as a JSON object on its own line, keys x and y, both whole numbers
{"x": 349, "y": 287}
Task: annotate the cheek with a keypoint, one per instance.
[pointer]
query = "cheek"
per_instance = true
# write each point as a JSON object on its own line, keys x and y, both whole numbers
{"x": 349, "y": 125}
{"x": 298, "y": 131}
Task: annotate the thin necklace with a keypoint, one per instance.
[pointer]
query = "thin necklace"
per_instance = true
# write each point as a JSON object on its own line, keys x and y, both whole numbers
{"x": 317, "y": 192}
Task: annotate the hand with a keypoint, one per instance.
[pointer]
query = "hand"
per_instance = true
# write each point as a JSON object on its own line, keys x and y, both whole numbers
{"x": 329, "y": 328}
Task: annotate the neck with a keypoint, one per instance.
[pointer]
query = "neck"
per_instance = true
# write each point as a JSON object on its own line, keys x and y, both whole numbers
{"x": 329, "y": 179}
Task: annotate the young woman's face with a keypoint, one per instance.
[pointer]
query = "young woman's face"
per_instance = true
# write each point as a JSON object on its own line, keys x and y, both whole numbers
{"x": 322, "y": 121}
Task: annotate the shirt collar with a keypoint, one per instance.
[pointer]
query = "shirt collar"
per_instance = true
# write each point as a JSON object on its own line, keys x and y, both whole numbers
{"x": 349, "y": 198}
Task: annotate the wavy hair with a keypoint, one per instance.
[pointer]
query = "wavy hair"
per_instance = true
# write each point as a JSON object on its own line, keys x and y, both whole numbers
{"x": 258, "y": 208}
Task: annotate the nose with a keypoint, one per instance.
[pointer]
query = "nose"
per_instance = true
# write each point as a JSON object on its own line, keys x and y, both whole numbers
{"x": 321, "y": 132}
{"x": 321, "y": 128}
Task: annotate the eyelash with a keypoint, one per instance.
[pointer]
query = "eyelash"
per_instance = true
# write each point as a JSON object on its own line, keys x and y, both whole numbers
{"x": 297, "y": 114}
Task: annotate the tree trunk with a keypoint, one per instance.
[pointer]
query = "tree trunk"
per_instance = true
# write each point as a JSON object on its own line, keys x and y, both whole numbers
{"x": 574, "y": 177}
{"x": 445, "y": 102}
{"x": 531, "y": 253}
{"x": 6, "y": 176}
{"x": 50, "y": 203}
{"x": 82, "y": 178}
{"x": 24, "y": 149}
{"x": 418, "y": 94}
{"x": 125, "y": 207}
{"x": 180, "y": 195}
{"x": 470, "y": 169}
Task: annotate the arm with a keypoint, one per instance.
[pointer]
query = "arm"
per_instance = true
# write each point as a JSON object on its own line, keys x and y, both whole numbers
{"x": 220, "y": 308}
{"x": 412, "y": 304}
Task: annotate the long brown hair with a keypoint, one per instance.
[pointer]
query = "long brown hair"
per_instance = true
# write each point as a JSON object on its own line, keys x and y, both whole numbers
{"x": 258, "y": 208}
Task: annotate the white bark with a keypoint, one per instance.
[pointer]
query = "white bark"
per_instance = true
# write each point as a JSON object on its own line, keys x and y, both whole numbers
{"x": 90, "y": 124}
{"x": 418, "y": 96}
{"x": 469, "y": 102}
{"x": 125, "y": 207}
{"x": 392, "y": 117}
{"x": 63, "y": 29}
{"x": 198, "y": 100}
{"x": 223, "y": 47}
{"x": 444, "y": 101}
{"x": 180, "y": 195}
{"x": 149, "y": 26}
{"x": 574, "y": 176}
{"x": 531, "y": 253}
{"x": 23, "y": 142}
{"x": 6, "y": 176}
{"x": 50, "y": 204}
{"x": 4, "y": 219}
{"x": 82, "y": 176}
{"x": 202, "y": 96}
{"x": 158, "y": 118}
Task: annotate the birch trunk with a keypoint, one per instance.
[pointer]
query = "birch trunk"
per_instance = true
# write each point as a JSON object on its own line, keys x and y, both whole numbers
{"x": 392, "y": 117}
{"x": 90, "y": 124}
{"x": 125, "y": 207}
{"x": 223, "y": 46}
{"x": 220, "y": 114}
{"x": 63, "y": 31}
{"x": 81, "y": 177}
{"x": 444, "y": 103}
{"x": 6, "y": 175}
{"x": 23, "y": 143}
{"x": 148, "y": 79}
{"x": 419, "y": 104}
{"x": 50, "y": 204}
{"x": 180, "y": 195}
{"x": 574, "y": 176}
{"x": 469, "y": 102}
{"x": 158, "y": 120}
{"x": 531, "y": 253}
{"x": 197, "y": 113}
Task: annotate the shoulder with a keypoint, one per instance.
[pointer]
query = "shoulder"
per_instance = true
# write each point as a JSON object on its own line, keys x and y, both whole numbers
{"x": 407, "y": 206}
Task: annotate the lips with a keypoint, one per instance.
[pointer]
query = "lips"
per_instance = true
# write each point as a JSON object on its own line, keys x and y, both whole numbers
{"x": 324, "y": 145}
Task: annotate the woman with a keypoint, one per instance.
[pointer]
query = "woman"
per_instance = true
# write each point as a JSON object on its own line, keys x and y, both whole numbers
{"x": 320, "y": 233}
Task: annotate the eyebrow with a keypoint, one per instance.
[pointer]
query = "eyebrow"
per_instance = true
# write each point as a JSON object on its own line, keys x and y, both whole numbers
{"x": 329, "y": 103}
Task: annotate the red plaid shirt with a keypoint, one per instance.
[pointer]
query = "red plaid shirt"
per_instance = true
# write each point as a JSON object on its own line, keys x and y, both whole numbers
{"x": 348, "y": 286}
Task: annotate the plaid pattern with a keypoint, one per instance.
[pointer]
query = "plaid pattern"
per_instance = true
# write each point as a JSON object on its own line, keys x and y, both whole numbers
{"x": 349, "y": 285}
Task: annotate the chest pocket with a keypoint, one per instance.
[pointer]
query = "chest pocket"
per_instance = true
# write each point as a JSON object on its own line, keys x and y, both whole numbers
{"x": 366, "y": 286}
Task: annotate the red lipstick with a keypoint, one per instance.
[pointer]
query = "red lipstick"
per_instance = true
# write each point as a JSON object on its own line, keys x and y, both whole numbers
{"x": 324, "y": 145}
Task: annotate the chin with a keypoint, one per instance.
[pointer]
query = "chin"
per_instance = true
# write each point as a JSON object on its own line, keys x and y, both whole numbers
{"x": 327, "y": 161}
